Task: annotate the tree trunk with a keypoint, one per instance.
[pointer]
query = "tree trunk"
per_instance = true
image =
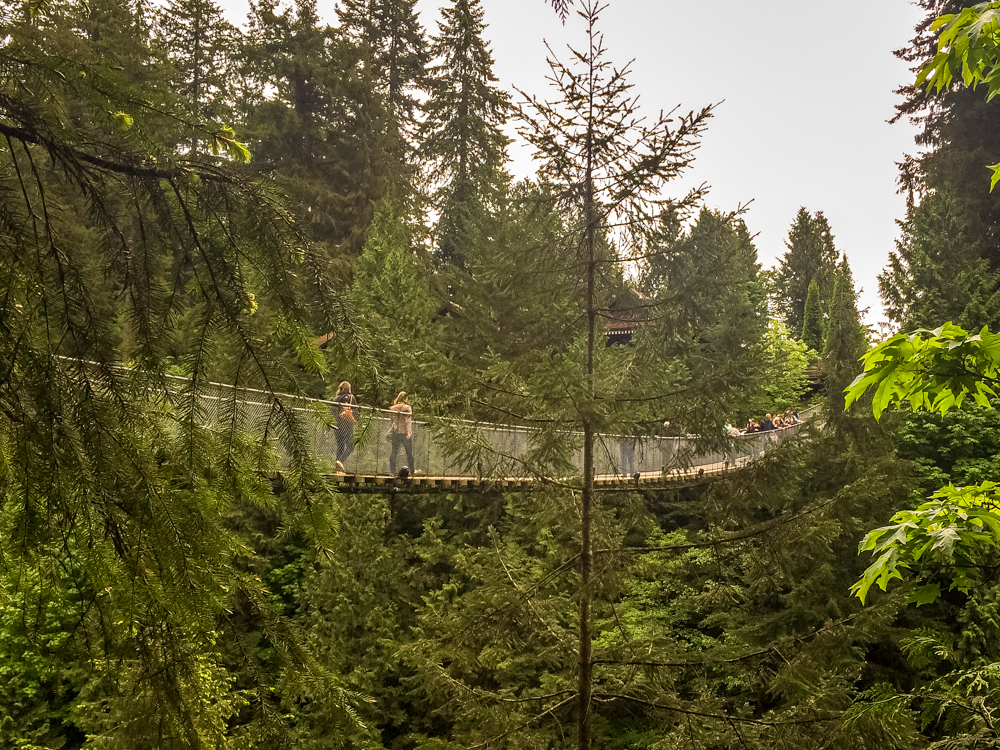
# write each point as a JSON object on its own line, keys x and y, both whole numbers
{"x": 585, "y": 681}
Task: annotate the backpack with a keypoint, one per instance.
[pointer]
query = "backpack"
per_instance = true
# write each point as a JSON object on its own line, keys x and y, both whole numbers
{"x": 346, "y": 412}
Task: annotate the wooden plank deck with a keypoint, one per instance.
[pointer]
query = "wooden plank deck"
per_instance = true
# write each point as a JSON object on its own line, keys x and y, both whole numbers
{"x": 602, "y": 482}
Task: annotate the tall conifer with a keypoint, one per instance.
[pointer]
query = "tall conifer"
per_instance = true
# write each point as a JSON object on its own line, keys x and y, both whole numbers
{"x": 313, "y": 119}
{"x": 394, "y": 53}
{"x": 936, "y": 273}
{"x": 812, "y": 320}
{"x": 119, "y": 30}
{"x": 200, "y": 46}
{"x": 461, "y": 140}
{"x": 604, "y": 167}
{"x": 846, "y": 339}
{"x": 959, "y": 138}
{"x": 811, "y": 257}
{"x": 709, "y": 303}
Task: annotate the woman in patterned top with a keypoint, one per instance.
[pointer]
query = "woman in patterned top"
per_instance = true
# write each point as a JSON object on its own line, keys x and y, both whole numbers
{"x": 347, "y": 417}
{"x": 400, "y": 431}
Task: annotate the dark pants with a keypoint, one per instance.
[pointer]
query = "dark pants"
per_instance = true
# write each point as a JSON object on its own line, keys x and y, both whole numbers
{"x": 395, "y": 441}
{"x": 345, "y": 441}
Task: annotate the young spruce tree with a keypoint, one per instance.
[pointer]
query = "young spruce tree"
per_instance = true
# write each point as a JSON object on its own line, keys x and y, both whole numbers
{"x": 605, "y": 167}
{"x": 812, "y": 320}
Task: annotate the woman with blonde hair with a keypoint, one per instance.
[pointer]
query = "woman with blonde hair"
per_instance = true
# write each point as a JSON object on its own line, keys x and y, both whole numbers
{"x": 400, "y": 431}
{"x": 347, "y": 417}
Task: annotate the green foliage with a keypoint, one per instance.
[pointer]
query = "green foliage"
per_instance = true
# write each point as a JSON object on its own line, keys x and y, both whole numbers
{"x": 461, "y": 140}
{"x": 952, "y": 530}
{"x": 316, "y": 124}
{"x": 846, "y": 341}
{"x": 812, "y": 320}
{"x": 936, "y": 272}
{"x": 958, "y": 135}
{"x": 515, "y": 302}
{"x": 708, "y": 304}
{"x": 784, "y": 376}
{"x": 394, "y": 54}
{"x": 933, "y": 370}
{"x": 967, "y": 49}
{"x": 811, "y": 257}
{"x": 155, "y": 591}
{"x": 392, "y": 299}
{"x": 39, "y": 676}
{"x": 958, "y": 526}
{"x": 961, "y": 446}
{"x": 355, "y": 601}
{"x": 200, "y": 49}
{"x": 115, "y": 483}
{"x": 955, "y": 705}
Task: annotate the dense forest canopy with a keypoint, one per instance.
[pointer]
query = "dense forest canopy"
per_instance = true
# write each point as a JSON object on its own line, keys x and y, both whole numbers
{"x": 294, "y": 206}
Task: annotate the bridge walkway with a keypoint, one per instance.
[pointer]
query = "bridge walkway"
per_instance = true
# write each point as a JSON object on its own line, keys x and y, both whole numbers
{"x": 491, "y": 456}
{"x": 651, "y": 480}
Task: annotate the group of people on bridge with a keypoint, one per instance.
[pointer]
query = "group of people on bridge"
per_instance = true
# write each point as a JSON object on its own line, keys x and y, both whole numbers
{"x": 399, "y": 434}
{"x": 770, "y": 422}
{"x": 668, "y": 440}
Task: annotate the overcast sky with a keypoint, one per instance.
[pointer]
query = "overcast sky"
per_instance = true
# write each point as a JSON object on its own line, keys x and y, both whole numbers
{"x": 806, "y": 89}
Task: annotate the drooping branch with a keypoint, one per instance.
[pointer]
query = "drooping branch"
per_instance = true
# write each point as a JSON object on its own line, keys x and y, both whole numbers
{"x": 129, "y": 170}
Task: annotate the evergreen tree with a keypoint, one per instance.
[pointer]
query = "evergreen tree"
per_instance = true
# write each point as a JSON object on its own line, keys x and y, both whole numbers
{"x": 959, "y": 139}
{"x": 393, "y": 302}
{"x": 709, "y": 305}
{"x": 115, "y": 482}
{"x": 200, "y": 46}
{"x": 313, "y": 119}
{"x": 811, "y": 257}
{"x": 846, "y": 340}
{"x": 936, "y": 273}
{"x": 505, "y": 306}
{"x": 603, "y": 168}
{"x": 393, "y": 52}
{"x": 461, "y": 141}
{"x": 812, "y": 320}
{"x": 120, "y": 30}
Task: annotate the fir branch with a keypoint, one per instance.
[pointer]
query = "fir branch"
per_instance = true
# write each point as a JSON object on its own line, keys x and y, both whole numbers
{"x": 719, "y": 717}
{"x": 525, "y": 724}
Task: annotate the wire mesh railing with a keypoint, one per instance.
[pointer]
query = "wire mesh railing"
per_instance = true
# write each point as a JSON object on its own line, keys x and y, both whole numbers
{"x": 468, "y": 450}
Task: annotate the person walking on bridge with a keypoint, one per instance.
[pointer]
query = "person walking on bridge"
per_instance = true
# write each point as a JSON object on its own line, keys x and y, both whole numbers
{"x": 400, "y": 432}
{"x": 669, "y": 440}
{"x": 347, "y": 417}
{"x": 627, "y": 450}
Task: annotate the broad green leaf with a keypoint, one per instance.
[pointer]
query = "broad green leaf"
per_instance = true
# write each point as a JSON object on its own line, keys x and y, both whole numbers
{"x": 926, "y": 594}
{"x": 868, "y": 543}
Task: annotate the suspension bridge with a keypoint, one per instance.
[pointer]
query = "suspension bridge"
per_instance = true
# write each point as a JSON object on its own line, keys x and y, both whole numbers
{"x": 491, "y": 457}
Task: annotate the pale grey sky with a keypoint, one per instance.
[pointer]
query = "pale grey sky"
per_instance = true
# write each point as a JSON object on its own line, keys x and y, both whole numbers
{"x": 806, "y": 88}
